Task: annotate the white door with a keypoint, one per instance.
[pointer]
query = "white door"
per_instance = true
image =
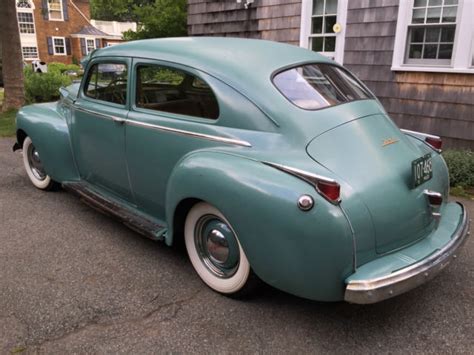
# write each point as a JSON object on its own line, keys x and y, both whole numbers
{"x": 323, "y": 27}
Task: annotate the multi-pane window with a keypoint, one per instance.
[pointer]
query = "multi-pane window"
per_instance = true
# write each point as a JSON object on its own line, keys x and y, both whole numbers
{"x": 431, "y": 32}
{"x": 29, "y": 52}
{"x": 90, "y": 45}
{"x": 323, "y": 19}
{"x": 25, "y": 22}
{"x": 59, "y": 45}
{"x": 55, "y": 9}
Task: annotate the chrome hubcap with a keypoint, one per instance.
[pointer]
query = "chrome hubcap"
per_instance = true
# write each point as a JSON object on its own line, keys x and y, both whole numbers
{"x": 217, "y": 246}
{"x": 35, "y": 163}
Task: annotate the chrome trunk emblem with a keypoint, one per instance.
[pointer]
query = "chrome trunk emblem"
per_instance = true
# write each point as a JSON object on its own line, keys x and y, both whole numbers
{"x": 389, "y": 141}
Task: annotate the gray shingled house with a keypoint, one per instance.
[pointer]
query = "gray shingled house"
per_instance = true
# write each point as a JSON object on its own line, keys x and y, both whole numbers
{"x": 417, "y": 56}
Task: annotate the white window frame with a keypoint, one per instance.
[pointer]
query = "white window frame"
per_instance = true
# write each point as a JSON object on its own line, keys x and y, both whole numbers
{"x": 32, "y": 23}
{"x": 462, "y": 49}
{"x": 54, "y": 45}
{"x": 30, "y": 46}
{"x": 471, "y": 57}
{"x": 305, "y": 29}
{"x": 61, "y": 11}
{"x": 87, "y": 47}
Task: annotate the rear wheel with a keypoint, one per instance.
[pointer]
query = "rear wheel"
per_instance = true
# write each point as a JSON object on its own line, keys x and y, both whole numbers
{"x": 34, "y": 167}
{"x": 215, "y": 251}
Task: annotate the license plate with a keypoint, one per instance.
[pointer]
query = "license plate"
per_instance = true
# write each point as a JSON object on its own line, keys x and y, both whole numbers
{"x": 422, "y": 170}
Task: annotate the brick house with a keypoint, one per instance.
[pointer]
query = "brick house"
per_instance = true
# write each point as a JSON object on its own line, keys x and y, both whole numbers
{"x": 58, "y": 30}
{"x": 417, "y": 56}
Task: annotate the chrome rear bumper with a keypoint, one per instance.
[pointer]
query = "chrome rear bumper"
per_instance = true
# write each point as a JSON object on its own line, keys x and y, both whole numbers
{"x": 378, "y": 289}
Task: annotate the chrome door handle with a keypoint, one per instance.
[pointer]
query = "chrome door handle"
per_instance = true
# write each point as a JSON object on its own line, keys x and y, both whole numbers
{"x": 118, "y": 120}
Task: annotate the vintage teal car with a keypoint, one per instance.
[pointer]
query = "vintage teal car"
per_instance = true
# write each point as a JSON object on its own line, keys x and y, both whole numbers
{"x": 268, "y": 161}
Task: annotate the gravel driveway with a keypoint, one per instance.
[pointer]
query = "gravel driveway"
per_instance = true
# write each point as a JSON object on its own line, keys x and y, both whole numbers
{"x": 73, "y": 280}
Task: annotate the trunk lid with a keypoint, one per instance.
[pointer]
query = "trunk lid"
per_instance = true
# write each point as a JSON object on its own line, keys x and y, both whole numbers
{"x": 374, "y": 158}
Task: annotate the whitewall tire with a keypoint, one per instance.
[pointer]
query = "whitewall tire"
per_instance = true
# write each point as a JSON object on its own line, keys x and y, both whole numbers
{"x": 34, "y": 167}
{"x": 215, "y": 251}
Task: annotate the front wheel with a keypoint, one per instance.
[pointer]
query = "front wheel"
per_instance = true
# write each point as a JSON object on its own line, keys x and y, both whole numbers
{"x": 215, "y": 251}
{"x": 34, "y": 167}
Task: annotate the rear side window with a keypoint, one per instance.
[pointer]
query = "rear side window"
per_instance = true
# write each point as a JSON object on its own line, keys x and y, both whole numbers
{"x": 171, "y": 90}
{"x": 107, "y": 82}
{"x": 315, "y": 86}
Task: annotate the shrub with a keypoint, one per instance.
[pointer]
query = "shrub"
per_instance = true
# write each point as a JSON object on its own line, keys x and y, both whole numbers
{"x": 62, "y": 68}
{"x": 44, "y": 87}
{"x": 461, "y": 167}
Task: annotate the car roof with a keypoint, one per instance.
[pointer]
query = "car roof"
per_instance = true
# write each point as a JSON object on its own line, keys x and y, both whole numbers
{"x": 215, "y": 54}
{"x": 245, "y": 64}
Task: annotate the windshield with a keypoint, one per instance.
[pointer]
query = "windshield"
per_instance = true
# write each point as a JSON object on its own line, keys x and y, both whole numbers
{"x": 315, "y": 86}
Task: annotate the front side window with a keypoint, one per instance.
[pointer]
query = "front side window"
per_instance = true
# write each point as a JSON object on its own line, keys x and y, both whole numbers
{"x": 431, "y": 32}
{"x": 171, "y": 90}
{"x": 315, "y": 86}
{"x": 25, "y": 22}
{"x": 55, "y": 10}
{"x": 59, "y": 45}
{"x": 107, "y": 82}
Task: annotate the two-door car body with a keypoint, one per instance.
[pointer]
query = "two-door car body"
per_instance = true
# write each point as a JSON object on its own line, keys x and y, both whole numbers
{"x": 268, "y": 161}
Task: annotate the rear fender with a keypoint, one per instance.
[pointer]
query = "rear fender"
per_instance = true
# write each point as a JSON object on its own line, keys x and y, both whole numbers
{"x": 305, "y": 253}
{"x": 49, "y": 132}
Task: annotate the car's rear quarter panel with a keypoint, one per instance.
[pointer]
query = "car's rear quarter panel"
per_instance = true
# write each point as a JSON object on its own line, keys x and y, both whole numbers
{"x": 306, "y": 253}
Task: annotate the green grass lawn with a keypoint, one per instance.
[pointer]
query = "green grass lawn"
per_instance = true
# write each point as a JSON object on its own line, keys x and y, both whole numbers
{"x": 7, "y": 119}
{"x": 7, "y": 123}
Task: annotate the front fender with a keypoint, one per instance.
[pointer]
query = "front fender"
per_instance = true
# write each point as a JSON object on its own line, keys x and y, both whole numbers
{"x": 49, "y": 132}
{"x": 304, "y": 253}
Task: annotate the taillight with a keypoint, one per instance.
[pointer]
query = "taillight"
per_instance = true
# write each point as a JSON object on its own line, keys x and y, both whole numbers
{"x": 330, "y": 190}
{"x": 326, "y": 187}
{"x": 435, "y": 142}
{"x": 435, "y": 199}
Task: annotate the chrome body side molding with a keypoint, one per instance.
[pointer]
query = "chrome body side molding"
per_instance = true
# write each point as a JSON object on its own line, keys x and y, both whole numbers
{"x": 167, "y": 129}
{"x": 415, "y": 133}
{"x": 189, "y": 133}
{"x": 101, "y": 115}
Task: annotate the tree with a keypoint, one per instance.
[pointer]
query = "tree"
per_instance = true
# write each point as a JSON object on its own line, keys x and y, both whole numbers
{"x": 116, "y": 10}
{"x": 160, "y": 18}
{"x": 12, "y": 59}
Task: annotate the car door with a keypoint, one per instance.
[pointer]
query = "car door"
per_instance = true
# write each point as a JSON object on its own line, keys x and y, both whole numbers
{"x": 172, "y": 113}
{"x": 98, "y": 126}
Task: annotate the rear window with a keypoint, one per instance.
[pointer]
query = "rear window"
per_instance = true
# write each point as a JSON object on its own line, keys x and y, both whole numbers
{"x": 315, "y": 86}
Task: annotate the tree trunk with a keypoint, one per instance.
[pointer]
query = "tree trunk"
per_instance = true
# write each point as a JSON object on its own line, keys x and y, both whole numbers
{"x": 12, "y": 59}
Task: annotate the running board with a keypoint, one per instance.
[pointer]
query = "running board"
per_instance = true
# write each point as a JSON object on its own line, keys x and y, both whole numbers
{"x": 145, "y": 226}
